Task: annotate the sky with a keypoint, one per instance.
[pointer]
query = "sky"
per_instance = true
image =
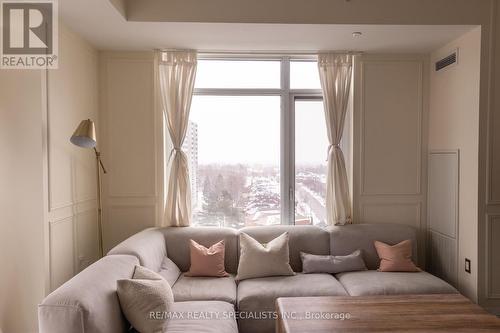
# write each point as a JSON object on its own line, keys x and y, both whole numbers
{"x": 246, "y": 129}
{"x": 237, "y": 129}
{"x": 311, "y": 141}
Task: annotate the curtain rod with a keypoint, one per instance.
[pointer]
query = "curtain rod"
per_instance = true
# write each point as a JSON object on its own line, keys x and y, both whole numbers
{"x": 263, "y": 53}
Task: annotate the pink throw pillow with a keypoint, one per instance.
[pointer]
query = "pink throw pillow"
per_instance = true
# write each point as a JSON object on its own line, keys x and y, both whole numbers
{"x": 395, "y": 258}
{"x": 207, "y": 262}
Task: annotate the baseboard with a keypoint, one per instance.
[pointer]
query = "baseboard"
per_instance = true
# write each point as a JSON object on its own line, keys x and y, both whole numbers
{"x": 494, "y": 310}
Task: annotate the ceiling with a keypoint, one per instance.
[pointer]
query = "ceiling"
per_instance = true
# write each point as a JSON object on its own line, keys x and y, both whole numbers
{"x": 101, "y": 24}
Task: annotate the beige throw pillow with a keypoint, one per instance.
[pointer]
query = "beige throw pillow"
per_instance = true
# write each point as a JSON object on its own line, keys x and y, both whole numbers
{"x": 145, "y": 300}
{"x": 260, "y": 260}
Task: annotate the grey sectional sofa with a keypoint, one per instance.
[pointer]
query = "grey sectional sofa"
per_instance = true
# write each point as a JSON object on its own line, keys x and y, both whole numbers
{"x": 88, "y": 302}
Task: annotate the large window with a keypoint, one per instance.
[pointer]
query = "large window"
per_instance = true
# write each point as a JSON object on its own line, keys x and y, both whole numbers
{"x": 256, "y": 143}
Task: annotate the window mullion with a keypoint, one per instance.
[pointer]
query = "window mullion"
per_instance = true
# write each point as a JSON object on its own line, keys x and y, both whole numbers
{"x": 237, "y": 92}
{"x": 286, "y": 142}
{"x": 291, "y": 157}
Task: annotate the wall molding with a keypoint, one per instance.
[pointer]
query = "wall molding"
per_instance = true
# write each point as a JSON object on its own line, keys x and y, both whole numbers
{"x": 62, "y": 213}
{"x": 106, "y": 116}
{"x": 397, "y": 203}
{"x": 488, "y": 206}
{"x": 490, "y": 125}
{"x": 454, "y": 240}
{"x": 456, "y": 153}
{"x": 52, "y": 226}
{"x": 420, "y": 103}
{"x": 417, "y": 205}
{"x": 83, "y": 46}
{"x": 56, "y": 220}
{"x": 490, "y": 220}
{"x": 127, "y": 209}
{"x": 72, "y": 203}
{"x": 130, "y": 205}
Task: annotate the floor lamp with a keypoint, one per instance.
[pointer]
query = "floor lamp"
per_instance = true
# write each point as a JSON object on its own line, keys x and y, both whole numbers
{"x": 85, "y": 137}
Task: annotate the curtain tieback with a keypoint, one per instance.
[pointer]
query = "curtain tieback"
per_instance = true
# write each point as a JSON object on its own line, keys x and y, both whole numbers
{"x": 175, "y": 149}
{"x": 330, "y": 147}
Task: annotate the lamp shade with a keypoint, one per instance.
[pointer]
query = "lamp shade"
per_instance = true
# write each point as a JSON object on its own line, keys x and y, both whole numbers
{"x": 84, "y": 135}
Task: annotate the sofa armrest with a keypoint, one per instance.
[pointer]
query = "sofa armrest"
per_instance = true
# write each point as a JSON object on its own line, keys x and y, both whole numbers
{"x": 60, "y": 318}
{"x": 88, "y": 303}
{"x": 148, "y": 246}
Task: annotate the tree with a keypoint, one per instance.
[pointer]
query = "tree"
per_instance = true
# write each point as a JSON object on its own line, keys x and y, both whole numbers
{"x": 209, "y": 197}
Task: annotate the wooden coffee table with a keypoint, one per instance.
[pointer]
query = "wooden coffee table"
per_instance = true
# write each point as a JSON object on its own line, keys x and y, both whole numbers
{"x": 401, "y": 313}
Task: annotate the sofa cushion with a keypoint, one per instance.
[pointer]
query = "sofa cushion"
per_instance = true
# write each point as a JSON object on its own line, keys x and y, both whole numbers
{"x": 346, "y": 239}
{"x": 256, "y": 297}
{"x": 300, "y": 237}
{"x": 213, "y": 317}
{"x": 189, "y": 288}
{"x": 148, "y": 246}
{"x": 392, "y": 283}
{"x": 177, "y": 241}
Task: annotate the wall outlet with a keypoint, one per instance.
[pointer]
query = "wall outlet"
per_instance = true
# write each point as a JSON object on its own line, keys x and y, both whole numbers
{"x": 467, "y": 265}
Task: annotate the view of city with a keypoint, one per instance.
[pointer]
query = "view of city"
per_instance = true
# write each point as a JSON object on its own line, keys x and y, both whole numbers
{"x": 237, "y": 195}
{"x": 246, "y": 195}
{"x": 231, "y": 193}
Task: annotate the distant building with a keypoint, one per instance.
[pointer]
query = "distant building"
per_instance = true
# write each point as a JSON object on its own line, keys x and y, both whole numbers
{"x": 190, "y": 147}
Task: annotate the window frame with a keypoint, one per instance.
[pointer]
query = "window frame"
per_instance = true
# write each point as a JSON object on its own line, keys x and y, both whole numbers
{"x": 288, "y": 97}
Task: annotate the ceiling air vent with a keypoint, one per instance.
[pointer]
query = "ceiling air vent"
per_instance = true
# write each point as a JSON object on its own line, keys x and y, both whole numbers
{"x": 447, "y": 61}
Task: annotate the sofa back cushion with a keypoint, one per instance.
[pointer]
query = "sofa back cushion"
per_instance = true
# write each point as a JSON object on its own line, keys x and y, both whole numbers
{"x": 88, "y": 303}
{"x": 348, "y": 238}
{"x": 148, "y": 246}
{"x": 178, "y": 240}
{"x": 309, "y": 239}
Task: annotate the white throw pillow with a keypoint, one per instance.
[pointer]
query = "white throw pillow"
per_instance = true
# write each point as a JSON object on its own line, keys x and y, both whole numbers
{"x": 145, "y": 300}
{"x": 261, "y": 260}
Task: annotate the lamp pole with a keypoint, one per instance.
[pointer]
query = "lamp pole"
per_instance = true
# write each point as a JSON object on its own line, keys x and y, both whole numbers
{"x": 99, "y": 165}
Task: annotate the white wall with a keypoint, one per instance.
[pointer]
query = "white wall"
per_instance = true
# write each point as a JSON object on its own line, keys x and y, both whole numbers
{"x": 454, "y": 125}
{"x": 132, "y": 144}
{"x": 71, "y": 179}
{"x": 47, "y": 191}
{"x": 21, "y": 191}
{"x": 389, "y": 146}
